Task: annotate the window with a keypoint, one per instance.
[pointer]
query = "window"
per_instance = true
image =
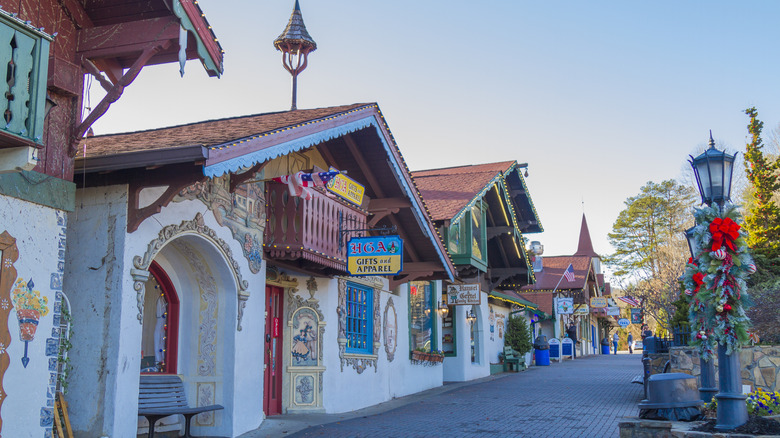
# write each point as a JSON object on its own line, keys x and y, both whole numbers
{"x": 360, "y": 321}
{"x": 24, "y": 55}
{"x": 454, "y": 238}
{"x": 475, "y": 320}
{"x": 421, "y": 316}
{"x": 159, "y": 336}
{"x": 477, "y": 230}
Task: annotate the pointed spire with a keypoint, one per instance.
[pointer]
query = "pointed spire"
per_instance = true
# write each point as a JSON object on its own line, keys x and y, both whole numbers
{"x": 295, "y": 33}
{"x": 712, "y": 142}
{"x": 585, "y": 245}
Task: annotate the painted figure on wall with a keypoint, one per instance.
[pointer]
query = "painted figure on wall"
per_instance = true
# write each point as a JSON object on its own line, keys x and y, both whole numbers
{"x": 304, "y": 344}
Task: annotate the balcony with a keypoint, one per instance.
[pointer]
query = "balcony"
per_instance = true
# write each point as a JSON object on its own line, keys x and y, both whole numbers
{"x": 306, "y": 233}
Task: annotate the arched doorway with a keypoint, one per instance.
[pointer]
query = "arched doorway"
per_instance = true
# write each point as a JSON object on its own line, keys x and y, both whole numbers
{"x": 160, "y": 331}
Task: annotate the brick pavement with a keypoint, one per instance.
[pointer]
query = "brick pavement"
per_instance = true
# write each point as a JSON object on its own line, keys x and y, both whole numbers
{"x": 582, "y": 398}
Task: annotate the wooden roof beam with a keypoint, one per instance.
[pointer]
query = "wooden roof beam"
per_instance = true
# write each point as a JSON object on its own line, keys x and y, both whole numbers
{"x": 114, "y": 94}
{"x": 358, "y": 155}
{"x": 388, "y": 203}
{"x": 125, "y": 39}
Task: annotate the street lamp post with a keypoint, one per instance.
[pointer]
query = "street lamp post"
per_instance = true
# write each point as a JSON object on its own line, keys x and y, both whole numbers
{"x": 707, "y": 388}
{"x": 713, "y": 170}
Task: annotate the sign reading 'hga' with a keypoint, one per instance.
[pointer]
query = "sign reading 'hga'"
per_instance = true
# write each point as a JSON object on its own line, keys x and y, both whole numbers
{"x": 380, "y": 255}
{"x": 347, "y": 188}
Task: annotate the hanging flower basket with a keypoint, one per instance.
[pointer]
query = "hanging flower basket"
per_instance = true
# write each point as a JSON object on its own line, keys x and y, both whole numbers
{"x": 426, "y": 358}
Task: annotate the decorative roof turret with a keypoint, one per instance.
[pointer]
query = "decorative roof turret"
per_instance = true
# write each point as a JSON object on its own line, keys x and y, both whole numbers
{"x": 295, "y": 43}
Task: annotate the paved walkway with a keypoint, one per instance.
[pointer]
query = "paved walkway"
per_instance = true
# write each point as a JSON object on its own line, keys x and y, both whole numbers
{"x": 581, "y": 398}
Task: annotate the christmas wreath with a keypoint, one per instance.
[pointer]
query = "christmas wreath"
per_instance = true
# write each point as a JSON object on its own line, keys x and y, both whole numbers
{"x": 714, "y": 281}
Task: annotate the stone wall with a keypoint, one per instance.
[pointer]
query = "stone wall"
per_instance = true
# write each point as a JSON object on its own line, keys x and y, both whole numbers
{"x": 760, "y": 364}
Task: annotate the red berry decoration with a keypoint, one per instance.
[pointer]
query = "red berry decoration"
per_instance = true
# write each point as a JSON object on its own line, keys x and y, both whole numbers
{"x": 727, "y": 307}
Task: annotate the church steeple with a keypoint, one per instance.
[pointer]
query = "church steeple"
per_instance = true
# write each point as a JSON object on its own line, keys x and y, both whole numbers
{"x": 585, "y": 245}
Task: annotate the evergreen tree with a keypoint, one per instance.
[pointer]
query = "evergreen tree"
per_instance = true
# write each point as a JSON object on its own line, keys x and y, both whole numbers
{"x": 518, "y": 335}
{"x": 650, "y": 246}
{"x": 762, "y": 220}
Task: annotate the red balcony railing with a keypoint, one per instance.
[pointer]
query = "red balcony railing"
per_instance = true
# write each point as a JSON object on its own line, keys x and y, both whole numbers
{"x": 309, "y": 230}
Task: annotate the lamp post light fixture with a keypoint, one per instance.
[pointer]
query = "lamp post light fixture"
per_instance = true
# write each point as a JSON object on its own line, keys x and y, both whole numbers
{"x": 713, "y": 170}
{"x": 443, "y": 309}
{"x": 295, "y": 43}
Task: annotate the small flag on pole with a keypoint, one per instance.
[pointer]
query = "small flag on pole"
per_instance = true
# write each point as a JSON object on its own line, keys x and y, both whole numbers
{"x": 630, "y": 301}
{"x": 569, "y": 274}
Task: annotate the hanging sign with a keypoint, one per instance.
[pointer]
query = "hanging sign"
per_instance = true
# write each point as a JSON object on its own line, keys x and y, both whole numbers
{"x": 613, "y": 311}
{"x": 564, "y": 306}
{"x": 378, "y": 255}
{"x": 636, "y": 316}
{"x": 276, "y": 328}
{"x": 463, "y": 294}
{"x": 347, "y": 188}
{"x": 623, "y": 322}
{"x": 598, "y": 302}
{"x": 582, "y": 309}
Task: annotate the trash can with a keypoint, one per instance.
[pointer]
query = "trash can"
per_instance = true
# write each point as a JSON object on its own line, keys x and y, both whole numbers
{"x": 649, "y": 344}
{"x": 605, "y": 346}
{"x": 542, "y": 351}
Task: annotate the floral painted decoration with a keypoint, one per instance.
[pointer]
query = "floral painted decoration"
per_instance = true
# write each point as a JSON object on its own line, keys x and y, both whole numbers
{"x": 25, "y": 297}
{"x": 719, "y": 298}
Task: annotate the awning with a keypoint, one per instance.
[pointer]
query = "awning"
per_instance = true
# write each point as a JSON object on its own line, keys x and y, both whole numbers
{"x": 510, "y": 297}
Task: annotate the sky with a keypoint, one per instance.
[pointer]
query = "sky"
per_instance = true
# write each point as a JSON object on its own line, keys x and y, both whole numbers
{"x": 598, "y": 97}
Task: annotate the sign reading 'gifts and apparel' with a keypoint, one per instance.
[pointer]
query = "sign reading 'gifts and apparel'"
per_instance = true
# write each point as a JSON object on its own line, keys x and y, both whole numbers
{"x": 347, "y": 188}
{"x": 598, "y": 302}
{"x": 378, "y": 255}
{"x": 463, "y": 294}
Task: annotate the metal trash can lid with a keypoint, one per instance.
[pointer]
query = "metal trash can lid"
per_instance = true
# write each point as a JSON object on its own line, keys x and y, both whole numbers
{"x": 671, "y": 390}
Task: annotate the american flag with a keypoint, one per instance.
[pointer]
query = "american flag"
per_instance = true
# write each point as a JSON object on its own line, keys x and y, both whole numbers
{"x": 630, "y": 300}
{"x": 569, "y": 274}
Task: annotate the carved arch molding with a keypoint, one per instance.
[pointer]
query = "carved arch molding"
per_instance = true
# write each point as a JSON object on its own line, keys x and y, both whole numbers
{"x": 197, "y": 226}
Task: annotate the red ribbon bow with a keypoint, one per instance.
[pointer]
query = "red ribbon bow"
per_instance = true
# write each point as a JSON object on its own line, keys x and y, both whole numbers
{"x": 724, "y": 232}
{"x": 698, "y": 278}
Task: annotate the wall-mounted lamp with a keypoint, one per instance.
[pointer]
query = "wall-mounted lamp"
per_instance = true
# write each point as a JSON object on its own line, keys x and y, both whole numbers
{"x": 443, "y": 309}
{"x": 470, "y": 316}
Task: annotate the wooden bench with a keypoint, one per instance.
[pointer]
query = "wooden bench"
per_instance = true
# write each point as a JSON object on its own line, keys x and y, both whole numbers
{"x": 163, "y": 395}
{"x": 511, "y": 357}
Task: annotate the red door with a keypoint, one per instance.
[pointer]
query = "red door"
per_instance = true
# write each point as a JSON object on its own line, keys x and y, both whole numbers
{"x": 272, "y": 378}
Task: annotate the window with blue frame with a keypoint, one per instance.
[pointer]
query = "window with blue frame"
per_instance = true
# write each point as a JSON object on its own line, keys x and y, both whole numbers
{"x": 422, "y": 336}
{"x": 360, "y": 319}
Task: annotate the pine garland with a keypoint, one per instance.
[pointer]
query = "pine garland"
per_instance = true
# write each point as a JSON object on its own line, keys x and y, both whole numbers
{"x": 715, "y": 281}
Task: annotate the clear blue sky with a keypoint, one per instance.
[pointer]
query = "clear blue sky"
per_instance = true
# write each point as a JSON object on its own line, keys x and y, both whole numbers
{"x": 597, "y": 97}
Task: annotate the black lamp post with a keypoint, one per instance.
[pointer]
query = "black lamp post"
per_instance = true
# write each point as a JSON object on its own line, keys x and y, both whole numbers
{"x": 713, "y": 170}
{"x": 707, "y": 388}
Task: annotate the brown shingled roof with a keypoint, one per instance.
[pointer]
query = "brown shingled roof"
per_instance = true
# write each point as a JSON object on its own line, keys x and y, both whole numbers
{"x": 206, "y": 133}
{"x": 552, "y": 271}
{"x": 542, "y": 299}
{"x": 446, "y": 191}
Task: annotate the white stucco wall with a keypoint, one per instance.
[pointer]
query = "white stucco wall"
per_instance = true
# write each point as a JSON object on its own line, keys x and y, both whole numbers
{"x": 460, "y": 368}
{"x": 347, "y": 390}
{"x": 40, "y": 236}
{"x": 110, "y": 332}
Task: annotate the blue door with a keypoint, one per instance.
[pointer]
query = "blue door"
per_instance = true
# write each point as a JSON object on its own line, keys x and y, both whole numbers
{"x": 593, "y": 336}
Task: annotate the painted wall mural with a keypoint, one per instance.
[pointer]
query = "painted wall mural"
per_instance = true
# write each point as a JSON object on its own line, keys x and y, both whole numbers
{"x": 305, "y": 339}
{"x": 242, "y": 211}
{"x": 305, "y": 331}
{"x": 8, "y": 255}
{"x": 500, "y": 324}
{"x": 390, "y": 329}
{"x": 30, "y": 307}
